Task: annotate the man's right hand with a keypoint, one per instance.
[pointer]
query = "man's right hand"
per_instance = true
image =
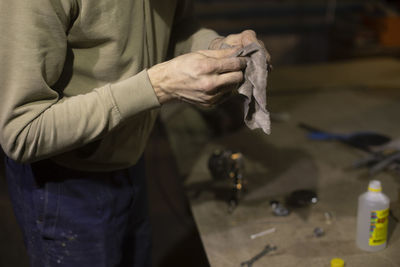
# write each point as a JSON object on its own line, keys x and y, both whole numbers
{"x": 201, "y": 77}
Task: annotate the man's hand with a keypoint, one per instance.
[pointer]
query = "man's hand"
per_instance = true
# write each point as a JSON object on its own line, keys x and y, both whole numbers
{"x": 239, "y": 40}
{"x": 202, "y": 77}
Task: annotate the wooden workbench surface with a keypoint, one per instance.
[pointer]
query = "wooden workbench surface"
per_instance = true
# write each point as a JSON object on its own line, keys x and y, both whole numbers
{"x": 341, "y": 97}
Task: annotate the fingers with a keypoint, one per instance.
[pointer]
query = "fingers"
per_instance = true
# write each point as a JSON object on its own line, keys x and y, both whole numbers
{"x": 214, "y": 100}
{"x": 230, "y": 64}
{"x": 230, "y": 78}
{"x": 220, "y": 53}
{"x": 225, "y": 82}
{"x": 248, "y": 37}
{"x": 211, "y": 65}
{"x": 204, "y": 100}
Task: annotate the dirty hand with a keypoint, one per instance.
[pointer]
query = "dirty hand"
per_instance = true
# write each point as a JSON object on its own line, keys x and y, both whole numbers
{"x": 239, "y": 40}
{"x": 203, "y": 77}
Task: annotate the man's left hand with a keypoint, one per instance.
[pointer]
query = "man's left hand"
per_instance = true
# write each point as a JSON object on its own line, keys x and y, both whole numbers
{"x": 239, "y": 40}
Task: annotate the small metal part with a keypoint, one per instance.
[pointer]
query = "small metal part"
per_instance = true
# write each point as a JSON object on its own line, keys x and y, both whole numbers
{"x": 264, "y": 252}
{"x": 319, "y": 232}
{"x": 328, "y": 217}
{"x": 266, "y": 232}
{"x": 278, "y": 209}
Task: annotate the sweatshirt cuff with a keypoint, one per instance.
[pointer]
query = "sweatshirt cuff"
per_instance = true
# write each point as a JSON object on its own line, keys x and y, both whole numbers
{"x": 203, "y": 38}
{"x": 134, "y": 95}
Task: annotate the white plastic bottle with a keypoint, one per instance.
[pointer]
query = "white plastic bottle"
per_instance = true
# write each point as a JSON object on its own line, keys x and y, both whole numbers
{"x": 372, "y": 218}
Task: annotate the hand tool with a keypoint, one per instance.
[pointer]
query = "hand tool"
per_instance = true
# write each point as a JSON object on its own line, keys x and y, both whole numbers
{"x": 360, "y": 140}
{"x": 264, "y": 252}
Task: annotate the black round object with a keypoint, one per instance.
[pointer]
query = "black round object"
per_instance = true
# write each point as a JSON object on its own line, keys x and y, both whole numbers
{"x": 301, "y": 198}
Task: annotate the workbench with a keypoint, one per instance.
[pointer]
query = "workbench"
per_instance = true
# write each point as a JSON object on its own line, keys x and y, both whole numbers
{"x": 341, "y": 97}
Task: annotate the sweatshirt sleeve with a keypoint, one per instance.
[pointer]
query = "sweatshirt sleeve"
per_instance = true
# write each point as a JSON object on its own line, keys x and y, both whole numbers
{"x": 187, "y": 33}
{"x": 35, "y": 120}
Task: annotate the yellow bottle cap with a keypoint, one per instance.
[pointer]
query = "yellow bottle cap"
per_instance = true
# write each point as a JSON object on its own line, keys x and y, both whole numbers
{"x": 375, "y": 186}
{"x": 337, "y": 262}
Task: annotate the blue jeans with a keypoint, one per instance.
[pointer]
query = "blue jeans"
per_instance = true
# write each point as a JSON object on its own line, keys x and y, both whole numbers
{"x": 72, "y": 218}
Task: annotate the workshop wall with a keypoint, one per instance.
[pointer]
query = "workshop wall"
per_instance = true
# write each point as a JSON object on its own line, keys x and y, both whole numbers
{"x": 306, "y": 31}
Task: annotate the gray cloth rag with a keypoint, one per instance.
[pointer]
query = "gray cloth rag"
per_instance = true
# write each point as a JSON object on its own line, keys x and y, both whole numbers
{"x": 254, "y": 88}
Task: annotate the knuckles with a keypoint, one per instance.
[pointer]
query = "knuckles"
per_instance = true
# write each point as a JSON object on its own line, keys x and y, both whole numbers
{"x": 250, "y": 33}
{"x": 207, "y": 85}
{"x": 203, "y": 66}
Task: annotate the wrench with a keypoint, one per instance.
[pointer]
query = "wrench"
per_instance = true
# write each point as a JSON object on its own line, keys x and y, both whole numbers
{"x": 266, "y": 250}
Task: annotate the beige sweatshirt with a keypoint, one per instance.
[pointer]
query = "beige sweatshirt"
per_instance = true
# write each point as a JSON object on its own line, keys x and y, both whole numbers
{"x": 73, "y": 79}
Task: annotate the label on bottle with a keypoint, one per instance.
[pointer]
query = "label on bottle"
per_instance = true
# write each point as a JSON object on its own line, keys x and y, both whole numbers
{"x": 378, "y": 227}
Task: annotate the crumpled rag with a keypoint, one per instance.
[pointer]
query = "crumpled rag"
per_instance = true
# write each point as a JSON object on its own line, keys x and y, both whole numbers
{"x": 254, "y": 88}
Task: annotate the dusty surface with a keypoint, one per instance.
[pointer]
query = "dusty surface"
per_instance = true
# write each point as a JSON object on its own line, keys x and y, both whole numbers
{"x": 339, "y": 97}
